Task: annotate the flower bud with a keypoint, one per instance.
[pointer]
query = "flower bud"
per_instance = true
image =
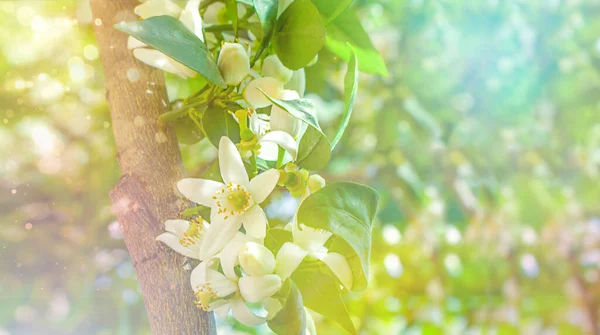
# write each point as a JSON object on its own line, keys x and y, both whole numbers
{"x": 256, "y": 259}
{"x": 282, "y": 120}
{"x": 233, "y": 63}
{"x": 255, "y": 289}
{"x": 272, "y": 67}
{"x": 256, "y": 98}
{"x": 315, "y": 183}
{"x": 297, "y": 82}
{"x": 215, "y": 13}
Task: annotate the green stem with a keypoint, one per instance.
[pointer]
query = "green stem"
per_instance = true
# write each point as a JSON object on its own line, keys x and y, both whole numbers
{"x": 280, "y": 156}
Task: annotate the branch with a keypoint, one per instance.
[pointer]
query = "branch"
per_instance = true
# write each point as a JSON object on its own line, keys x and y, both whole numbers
{"x": 150, "y": 162}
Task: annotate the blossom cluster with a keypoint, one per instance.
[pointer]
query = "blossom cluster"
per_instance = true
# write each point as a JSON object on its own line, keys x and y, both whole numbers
{"x": 237, "y": 273}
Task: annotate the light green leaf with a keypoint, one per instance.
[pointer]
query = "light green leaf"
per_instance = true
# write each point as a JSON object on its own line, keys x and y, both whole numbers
{"x": 218, "y": 123}
{"x": 246, "y": 2}
{"x": 302, "y": 109}
{"x": 347, "y": 210}
{"x": 291, "y": 319}
{"x": 276, "y": 237}
{"x": 170, "y": 36}
{"x": 330, "y": 10}
{"x": 321, "y": 292}
{"x": 347, "y": 29}
{"x": 266, "y": 10}
{"x": 187, "y": 131}
{"x": 299, "y": 34}
{"x": 314, "y": 150}
{"x": 350, "y": 88}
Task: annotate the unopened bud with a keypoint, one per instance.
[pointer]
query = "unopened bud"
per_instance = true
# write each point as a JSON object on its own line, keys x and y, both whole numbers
{"x": 233, "y": 63}
{"x": 297, "y": 82}
{"x": 256, "y": 259}
{"x": 272, "y": 67}
{"x": 315, "y": 183}
{"x": 256, "y": 98}
{"x": 255, "y": 289}
{"x": 215, "y": 13}
{"x": 282, "y": 120}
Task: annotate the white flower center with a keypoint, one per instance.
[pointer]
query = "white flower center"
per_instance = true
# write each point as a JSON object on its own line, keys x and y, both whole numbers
{"x": 233, "y": 199}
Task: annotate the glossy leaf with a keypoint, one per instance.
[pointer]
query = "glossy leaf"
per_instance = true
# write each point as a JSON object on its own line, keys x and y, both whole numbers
{"x": 347, "y": 30}
{"x": 170, "y": 36}
{"x": 330, "y": 10}
{"x": 314, "y": 150}
{"x": 302, "y": 109}
{"x": 347, "y": 210}
{"x": 350, "y": 89}
{"x": 299, "y": 34}
{"x": 321, "y": 292}
{"x": 218, "y": 123}
{"x": 291, "y": 319}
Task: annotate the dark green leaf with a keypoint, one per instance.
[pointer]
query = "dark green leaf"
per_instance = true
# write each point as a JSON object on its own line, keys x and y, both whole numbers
{"x": 302, "y": 109}
{"x": 299, "y": 34}
{"x": 266, "y": 10}
{"x": 347, "y": 210}
{"x": 291, "y": 319}
{"x": 314, "y": 151}
{"x": 350, "y": 88}
{"x": 170, "y": 36}
{"x": 330, "y": 10}
{"x": 321, "y": 292}
{"x": 348, "y": 29}
{"x": 187, "y": 131}
{"x": 218, "y": 123}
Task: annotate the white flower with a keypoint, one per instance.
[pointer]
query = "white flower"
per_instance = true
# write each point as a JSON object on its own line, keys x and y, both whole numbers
{"x": 223, "y": 293}
{"x": 309, "y": 241}
{"x": 256, "y": 99}
{"x": 272, "y": 67}
{"x": 232, "y": 204}
{"x": 256, "y": 259}
{"x": 233, "y": 63}
{"x": 189, "y": 16}
{"x": 185, "y": 237}
{"x": 270, "y": 139}
{"x": 297, "y": 82}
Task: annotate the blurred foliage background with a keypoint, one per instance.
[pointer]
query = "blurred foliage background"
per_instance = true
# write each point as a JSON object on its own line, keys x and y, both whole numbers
{"x": 484, "y": 142}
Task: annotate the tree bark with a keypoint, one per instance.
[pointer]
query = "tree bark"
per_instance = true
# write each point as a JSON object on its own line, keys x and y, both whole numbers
{"x": 150, "y": 162}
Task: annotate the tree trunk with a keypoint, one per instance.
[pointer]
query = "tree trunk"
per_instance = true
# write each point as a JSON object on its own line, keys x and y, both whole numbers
{"x": 150, "y": 162}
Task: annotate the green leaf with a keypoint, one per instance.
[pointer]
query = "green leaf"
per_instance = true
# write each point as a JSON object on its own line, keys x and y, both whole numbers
{"x": 330, "y": 10}
{"x": 276, "y": 237}
{"x": 321, "y": 292}
{"x": 299, "y": 34}
{"x": 218, "y": 123}
{"x": 291, "y": 319}
{"x": 302, "y": 109}
{"x": 350, "y": 88}
{"x": 314, "y": 150}
{"x": 347, "y": 29}
{"x": 232, "y": 12}
{"x": 347, "y": 210}
{"x": 187, "y": 131}
{"x": 170, "y": 36}
{"x": 246, "y": 2}
{"x": 266, "y": 10}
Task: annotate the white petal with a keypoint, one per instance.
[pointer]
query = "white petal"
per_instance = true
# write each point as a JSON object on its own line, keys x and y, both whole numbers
{"x": 262, "y": 185}
{"x": 223, "y": 311}
{"x": 200, "y": 191}
{"x": 177, "y": 227}
{"x": 256, "y": 289}
{"x": 244, "y": 315}
{"x": 230, "y": 162}
{"x": 158, "y": 60}
{"x": 309, "y": 238}
{"x": 255, "y": 222}
{"x": 133, "y": 43}
{"x": 173, "y": 242}
{"x": 285, "y": 140}
{"x": 310, "y": 323}
{"x": 298, "y": 82}
{"x": 271, "y": 86}
{"x": 191, "y": 18}
{"x": 340, "y": 267}
{"x": 182, "y": 70}
{"x": 288, "y": 259}
{"x": 157, "y": 7}
{"x": 219, "y": 234}
{"x": 198, "y": 277}
{"x": 229, "y": 255}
